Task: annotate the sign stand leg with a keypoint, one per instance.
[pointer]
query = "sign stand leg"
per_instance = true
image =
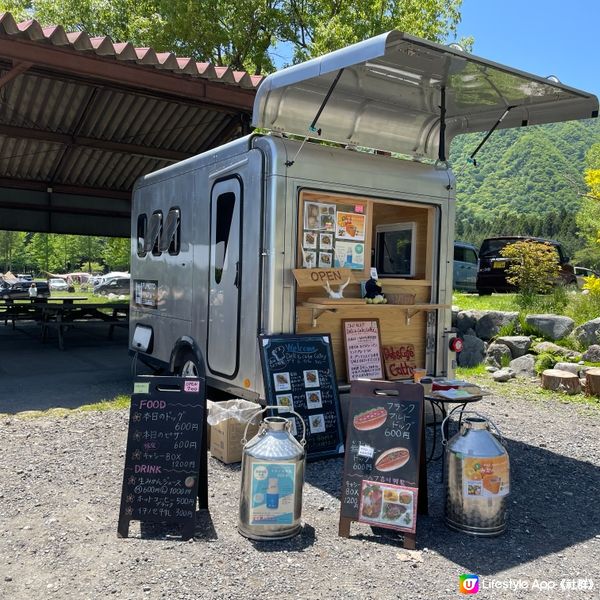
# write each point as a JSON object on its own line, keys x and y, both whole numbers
{"x": 123, "y": 528}
{"x": 423, "y": 500}
{"x": 203, "y": 474}
{"x": 344, "y": 527}
{"x": 410, "y": 541}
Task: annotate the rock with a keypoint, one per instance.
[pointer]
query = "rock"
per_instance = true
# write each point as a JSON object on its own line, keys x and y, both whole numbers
{"x": 519, "y": 344}
{"x": 502, "y": 375}
{"x": 553, "y": 327}
{"x": 588, "y": 334}
{"x": 592, "y": 354}
{"x": 467, "y": 319}
{"x": 569, "y": 367}
{"x": 524, "y": 366}
{"x": 473, "y": 352}
{"x": 491, "y": 369}
{"x": 498, "y": 355}
{"x": 492, "y": 321}
{"x": 555, "y": 349}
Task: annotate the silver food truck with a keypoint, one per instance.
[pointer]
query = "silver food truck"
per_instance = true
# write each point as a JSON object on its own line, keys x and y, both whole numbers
{"x": 240, "y": 240}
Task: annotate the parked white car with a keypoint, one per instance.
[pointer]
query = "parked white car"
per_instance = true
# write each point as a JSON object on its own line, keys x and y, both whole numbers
{"x": 60, "y": 285}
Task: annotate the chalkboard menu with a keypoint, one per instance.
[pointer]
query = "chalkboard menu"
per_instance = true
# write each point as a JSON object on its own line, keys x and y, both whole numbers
{"x": 165, "y": 460}
{"x": 383, "y": 460}
{"x": 299, "y": 374}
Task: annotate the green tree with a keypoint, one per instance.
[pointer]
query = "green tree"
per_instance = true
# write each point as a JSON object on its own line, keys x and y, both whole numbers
{"x": 244, "y": 34}
{"x": 116, "y": 254}
{"x": 533, "y": 269}
{"x": 12, "y": 251}
{"x": 588, "y": 217}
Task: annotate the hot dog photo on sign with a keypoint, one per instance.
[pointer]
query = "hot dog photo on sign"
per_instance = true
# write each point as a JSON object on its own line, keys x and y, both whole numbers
{"x": 388, "y": 460}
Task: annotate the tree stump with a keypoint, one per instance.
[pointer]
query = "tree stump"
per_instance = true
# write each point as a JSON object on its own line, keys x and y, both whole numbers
{"x": 562, "y": 381}
{"x": 592, "y": 382}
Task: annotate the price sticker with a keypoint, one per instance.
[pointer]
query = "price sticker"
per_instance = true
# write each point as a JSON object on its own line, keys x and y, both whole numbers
{"x": 141, "y": 388}
{"x": 365, "y": 451}
{"x": 191, "y": 386}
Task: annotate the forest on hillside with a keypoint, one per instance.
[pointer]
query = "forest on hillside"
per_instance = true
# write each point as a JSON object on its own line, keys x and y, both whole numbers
{"x": 527, "y": 181}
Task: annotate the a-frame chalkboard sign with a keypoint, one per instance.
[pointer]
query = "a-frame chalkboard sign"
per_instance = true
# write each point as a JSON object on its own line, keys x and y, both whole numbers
{"x": 166, "y": 459}
{"x": 384, "y": 480}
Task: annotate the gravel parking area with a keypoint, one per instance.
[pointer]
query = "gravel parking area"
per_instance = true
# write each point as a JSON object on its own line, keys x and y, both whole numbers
{"x": 60, "y": 482}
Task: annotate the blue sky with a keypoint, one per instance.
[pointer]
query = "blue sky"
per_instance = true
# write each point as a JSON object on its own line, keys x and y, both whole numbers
{"x": 543, "y": 37}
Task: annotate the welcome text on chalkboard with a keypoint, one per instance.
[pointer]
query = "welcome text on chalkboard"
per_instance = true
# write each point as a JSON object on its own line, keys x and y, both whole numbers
{"x": 165, "y": 461}
{"x": 299, "y": 374}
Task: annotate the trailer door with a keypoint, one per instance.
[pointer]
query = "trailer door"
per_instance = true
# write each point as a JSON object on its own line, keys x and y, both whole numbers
{"x": 224, "y": 276}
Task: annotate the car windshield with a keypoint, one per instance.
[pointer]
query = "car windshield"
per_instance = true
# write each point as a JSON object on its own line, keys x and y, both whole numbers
{"x": 492, "y": 247}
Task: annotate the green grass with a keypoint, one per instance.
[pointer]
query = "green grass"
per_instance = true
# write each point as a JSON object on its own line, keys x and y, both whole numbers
{"x": 581, "y": 308}
{"x": 119, "y": 403}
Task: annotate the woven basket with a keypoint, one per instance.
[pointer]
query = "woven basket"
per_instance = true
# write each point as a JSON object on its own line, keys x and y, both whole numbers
{"x": 400, "y": 298}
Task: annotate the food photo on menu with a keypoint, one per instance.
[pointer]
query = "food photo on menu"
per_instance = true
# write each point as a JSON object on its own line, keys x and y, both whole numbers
{"x": 282, "y": 382}
{"x": 313, "y": 400}
{"x": 316, "y": 423}
{"x": 325, "y": 260}
{"x": 311, "y": 378}
{"x": 310, "y": 240}
{"x": 285, "y": 402}
{"x": 387, "y": 505}
{"x": 326, "y": 241}
{"x": 309, "y": 259}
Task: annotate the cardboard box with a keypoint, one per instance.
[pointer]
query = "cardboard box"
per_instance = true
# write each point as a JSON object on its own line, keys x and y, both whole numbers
{"x": 209, "y": 403}
{"x": 226, "y": 438}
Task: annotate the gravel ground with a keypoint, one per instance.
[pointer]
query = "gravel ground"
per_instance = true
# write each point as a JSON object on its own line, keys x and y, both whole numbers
{"x": 60, "y": 481}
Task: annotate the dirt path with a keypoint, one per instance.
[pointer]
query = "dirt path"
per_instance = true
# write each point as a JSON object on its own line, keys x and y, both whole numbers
{"x": 59, "y": 496}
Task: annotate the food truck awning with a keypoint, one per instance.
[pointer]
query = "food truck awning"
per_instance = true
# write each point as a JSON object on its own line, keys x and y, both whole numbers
{"x": 391, "y": 91}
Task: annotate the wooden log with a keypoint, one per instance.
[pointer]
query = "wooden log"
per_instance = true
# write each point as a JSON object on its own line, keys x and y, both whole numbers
{"x": 592, "y": 382}
{"x": 560, "y": 381}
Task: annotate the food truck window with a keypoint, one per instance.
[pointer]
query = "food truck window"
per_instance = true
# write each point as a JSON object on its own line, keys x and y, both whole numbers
{"x": 394, "y": 249}
{"x": 170, "y": 237}
{"x": 142, "y": 226}
{"x": 225, "y": 210}
{"x": 154, "y": 231}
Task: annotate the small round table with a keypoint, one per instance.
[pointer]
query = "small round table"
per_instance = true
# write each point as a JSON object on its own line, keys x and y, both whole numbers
{"x": 441, "y": 404}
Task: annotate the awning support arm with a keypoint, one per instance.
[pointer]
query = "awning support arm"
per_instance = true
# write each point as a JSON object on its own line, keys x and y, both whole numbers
{"x": 313, "y": 126}
{"x": 488, "y": 134}
{"x": 442, "y": 144}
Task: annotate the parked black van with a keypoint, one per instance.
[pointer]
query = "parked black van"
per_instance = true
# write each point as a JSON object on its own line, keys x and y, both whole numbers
{"x": 491, "y": 276}
{"x": 20, "y": 290}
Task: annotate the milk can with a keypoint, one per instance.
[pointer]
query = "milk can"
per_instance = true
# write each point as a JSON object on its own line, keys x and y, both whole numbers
{"x": 477, "y": 478}
{"x": 272, "y": 479}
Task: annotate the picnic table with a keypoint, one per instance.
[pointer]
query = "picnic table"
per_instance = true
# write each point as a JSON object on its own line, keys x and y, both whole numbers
{"x": 30, "y": 309}
{"x": 65, "y": 316}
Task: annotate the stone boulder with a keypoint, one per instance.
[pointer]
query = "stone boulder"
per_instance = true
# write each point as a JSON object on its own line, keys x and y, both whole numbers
{"x": 490, "y": 323}
{"x": 498, "y": 355}
{"x": 569, "y": 367}
{"x": 519, "y": 344}
{"x": 553, "y": 327}
{"x": 473, "y": 352}
{"x": 588, "y": 334}
{"x": 592, "y": 354}
{"x": 467, "y": 319}
{"x": 503, "y": 375}
{"x": 524, "y": 366}
{"x": 556, "y": 349}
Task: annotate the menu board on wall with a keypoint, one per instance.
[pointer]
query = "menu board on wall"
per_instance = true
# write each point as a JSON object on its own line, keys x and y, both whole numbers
{"x": 165, "y": 460}
{"x": 363, "y": 349}
{"x": 383, "y": 463}
{"x": 299, "y": 374}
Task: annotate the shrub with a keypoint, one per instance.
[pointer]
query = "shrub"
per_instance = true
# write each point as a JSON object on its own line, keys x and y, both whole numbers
{"x": 545, "y": 360}
{"x": 533, "y": 270}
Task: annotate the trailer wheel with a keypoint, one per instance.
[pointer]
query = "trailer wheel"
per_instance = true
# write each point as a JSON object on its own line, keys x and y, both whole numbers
{"x": 188, "y": 366}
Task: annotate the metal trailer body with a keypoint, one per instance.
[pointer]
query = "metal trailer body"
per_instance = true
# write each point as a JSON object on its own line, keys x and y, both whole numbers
{"x": 222, "y": 320}
{"x": 198, "y": 297}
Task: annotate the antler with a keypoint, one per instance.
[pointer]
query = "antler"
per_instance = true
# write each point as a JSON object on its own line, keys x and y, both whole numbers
{"x": 327, "y": 287}
{"x": 343, "y": 285}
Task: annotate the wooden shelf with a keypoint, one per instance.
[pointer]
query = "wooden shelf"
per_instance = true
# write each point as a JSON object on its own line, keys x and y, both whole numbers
{"x": 321, "y": 305}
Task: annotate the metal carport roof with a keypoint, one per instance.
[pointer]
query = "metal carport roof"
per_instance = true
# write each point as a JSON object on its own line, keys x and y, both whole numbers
{"x": 82, "y": 118}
